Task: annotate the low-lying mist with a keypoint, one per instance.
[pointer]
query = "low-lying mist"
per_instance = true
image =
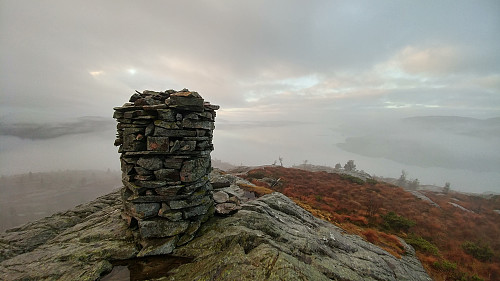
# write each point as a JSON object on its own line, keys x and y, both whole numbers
{"x": 435, "y": 150}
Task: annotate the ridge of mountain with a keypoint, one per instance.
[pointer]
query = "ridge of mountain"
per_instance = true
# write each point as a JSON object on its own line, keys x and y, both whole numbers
{"x": 269, "y": 238}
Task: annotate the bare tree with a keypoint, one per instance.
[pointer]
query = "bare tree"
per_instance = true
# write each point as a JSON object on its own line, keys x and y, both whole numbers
{"x": 281, "y": 160}
{"x": 350, "y": 166}
{"x": 414, "y": 184}
{"x": 374, "y": 204}
{"x": 402, "y": 179}
{"x": 446, "y": 187}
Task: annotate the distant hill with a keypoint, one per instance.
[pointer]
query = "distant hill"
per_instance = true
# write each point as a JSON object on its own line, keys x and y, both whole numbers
{"x": 483, "y": 128}
{"x": 449, "y": 142}
{"x": 41, "y": 131}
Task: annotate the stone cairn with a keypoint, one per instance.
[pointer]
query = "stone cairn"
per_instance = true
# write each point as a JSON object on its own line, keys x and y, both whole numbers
{"x": 165, "y": 141}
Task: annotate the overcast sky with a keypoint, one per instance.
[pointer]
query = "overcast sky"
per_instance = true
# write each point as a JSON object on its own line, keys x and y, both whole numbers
{"x": 316, "y": 64}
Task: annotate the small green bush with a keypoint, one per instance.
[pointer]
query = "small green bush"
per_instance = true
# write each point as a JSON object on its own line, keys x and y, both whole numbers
{"x": 371, "y": 181}
{"x": 256, "y": 174}
{"x": 425, "y": 246}
{"x": 475, "y": 278}
{"x": 480, "y": 252}
{"x": 445, "y": 265}
{"x": 397, "y": 223}
{"x": 352, "y": 179}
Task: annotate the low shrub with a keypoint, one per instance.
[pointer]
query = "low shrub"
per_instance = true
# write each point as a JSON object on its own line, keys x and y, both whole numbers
{"x": 256, "y": 174}
{"x": 445, "y": 265}
{"x": 421, "y": 244}
{"x": 480, "y": 252}
{"x": 352, "y": 179}
{"x": 371, "y": 236}
{"x": 397, "y": 223}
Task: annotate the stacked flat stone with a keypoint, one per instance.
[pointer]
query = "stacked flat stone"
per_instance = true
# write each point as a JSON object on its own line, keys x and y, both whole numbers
{"x": 165, "y": 141}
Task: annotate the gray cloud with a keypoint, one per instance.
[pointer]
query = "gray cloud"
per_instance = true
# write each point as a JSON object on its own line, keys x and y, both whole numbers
{"x": 214, "y": 46}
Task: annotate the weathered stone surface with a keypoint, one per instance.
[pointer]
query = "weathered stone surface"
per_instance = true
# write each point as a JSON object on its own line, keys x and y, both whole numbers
{"x": 187, "y": 145}
{"x": 129, "y": 160}
{"x": 175, "y": 146}
{"x": 127, "y": 107}
{"x": 168, "y": 213}
{"x": 197, "y": 211}
{"x": 143, "y": 172}
{"x": 169, "y": 191}
{"x": 219, "y": 180}
{"x": 136, "y": 190}
{"x": 130, "y": 143}
{"x": 158, "y": 143}
{"x": 151, "y": 163}
{"x": 150, "y": 129}
{"x": 166, "y": 125}
{"x": 154, "y": 106}
{"x": 188, "y": 189}
{"x": 181, "y": 204}
{"x": 160, "y": 246}
{"x": 187, "y": 100}
{"x": 271, "y": 238}
{"x": 193, "y": 170}
{"x": 211, "y": 106}
{"x": 186, "y": 93}
{"x": 166, "y": 115}
{"x": 167, "y": 174}
{"x": 195, "y": 124}
{"x": 172, "y": 163}
{"x": 126, "y": 168}
{"x": 117, "y": 115}
{"x": 142, "y": 210}
{"x": 159, "y": 131}
{"x": 72, "y": 245}
{"x": 226, "y": 208}
{"x": 203, "y": 144}
{"x": 148, "y": 198}
{"x": 198, "y": 138}
{"x": 160, "y": 228}
{"x": 167, "y": 153}
{"x": 220, "y": 197}
{"x": 190, "y": 232}
{"x": 144, "y": 177}
{"x": 151, "y": 184}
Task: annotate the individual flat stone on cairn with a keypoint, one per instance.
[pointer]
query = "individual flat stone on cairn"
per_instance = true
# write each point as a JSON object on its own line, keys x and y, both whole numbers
{"x": 165, "y": 141}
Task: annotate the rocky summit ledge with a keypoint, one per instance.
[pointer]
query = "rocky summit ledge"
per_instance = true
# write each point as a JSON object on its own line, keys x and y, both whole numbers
{"x": 269, "y": 238}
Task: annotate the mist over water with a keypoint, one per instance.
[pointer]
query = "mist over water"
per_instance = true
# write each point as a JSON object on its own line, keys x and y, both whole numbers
{"x": 434, "y": 153}
{"x": 73, "y": 152}
{"x": 469, "y": 164}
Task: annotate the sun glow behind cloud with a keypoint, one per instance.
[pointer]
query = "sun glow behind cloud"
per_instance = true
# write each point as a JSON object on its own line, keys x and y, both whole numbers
{"x": 96, "y": 73}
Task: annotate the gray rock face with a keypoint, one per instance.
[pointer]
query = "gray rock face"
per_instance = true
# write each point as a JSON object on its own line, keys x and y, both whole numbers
{"x": 270, "y": 238}
{"x": 73, "y": 245}
{"x": 273, "y": 238}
